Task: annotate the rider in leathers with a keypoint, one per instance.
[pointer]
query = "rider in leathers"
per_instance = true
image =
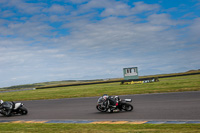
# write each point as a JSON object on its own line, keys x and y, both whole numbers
{"x": 112, "y": 100}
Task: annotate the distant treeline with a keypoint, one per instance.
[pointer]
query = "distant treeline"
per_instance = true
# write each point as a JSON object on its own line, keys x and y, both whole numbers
{"x": 22, "y": 86}
{"x": 35, "y": 85}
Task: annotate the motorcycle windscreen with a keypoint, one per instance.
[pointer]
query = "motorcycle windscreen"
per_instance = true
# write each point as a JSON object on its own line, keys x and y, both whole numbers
{"x": 101, "y": 100}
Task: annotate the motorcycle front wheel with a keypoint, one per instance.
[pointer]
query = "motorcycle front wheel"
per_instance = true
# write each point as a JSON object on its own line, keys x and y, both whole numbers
{"x": 127, "y": 107}
{"x": 23, "y": 111}
{"x": 101, "y": 109}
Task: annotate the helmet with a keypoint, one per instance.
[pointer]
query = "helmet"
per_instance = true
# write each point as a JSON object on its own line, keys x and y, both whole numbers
{"x": 1, "y": 101}
{"x": 105, "y": 96}
{"x": 117, "y": 98}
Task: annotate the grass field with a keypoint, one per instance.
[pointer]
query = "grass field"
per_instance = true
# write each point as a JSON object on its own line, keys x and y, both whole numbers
{"x": 172, "y": 84}
{"x": 99, "y": 128}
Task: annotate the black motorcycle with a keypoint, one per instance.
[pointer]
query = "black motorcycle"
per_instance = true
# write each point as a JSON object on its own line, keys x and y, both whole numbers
{"x": 11, "y": 108}
{"x": 104, "y": 105}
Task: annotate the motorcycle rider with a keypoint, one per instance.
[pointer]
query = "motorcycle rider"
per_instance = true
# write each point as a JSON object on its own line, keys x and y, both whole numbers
{"x": 112, "y": 100}
{"x": 1, "y": 102}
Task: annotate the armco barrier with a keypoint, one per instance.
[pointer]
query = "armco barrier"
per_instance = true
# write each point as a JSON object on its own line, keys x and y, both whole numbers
{"x": 139, "y": 81}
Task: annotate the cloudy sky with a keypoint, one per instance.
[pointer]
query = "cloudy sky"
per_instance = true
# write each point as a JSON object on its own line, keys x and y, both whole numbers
{"x": 53, "y": 40}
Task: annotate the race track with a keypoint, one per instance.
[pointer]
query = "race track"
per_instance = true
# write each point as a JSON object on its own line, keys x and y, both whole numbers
{"x": 165, "y": 106}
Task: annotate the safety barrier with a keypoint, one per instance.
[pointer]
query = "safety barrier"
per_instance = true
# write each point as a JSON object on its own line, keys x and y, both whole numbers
{"x": 139, "y": 81}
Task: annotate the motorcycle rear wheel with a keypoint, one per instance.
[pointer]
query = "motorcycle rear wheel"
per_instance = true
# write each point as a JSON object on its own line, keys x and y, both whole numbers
{"x": 5, "y": 113}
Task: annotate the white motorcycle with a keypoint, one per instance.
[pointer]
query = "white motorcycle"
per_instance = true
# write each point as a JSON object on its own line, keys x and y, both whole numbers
{"x": 11, "y": 108}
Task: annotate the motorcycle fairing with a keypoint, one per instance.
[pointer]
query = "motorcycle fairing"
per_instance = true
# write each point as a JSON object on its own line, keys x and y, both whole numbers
{"x": 17, "y": 105}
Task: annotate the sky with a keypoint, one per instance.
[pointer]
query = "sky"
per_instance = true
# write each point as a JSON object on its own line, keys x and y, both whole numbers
{"x": 54, "y": 40}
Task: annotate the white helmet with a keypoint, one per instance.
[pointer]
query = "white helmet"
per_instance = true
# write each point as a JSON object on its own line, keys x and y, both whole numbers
{"x": 1, "y": 101}
{"x": 105, "y": 96}
{"x": 117, "y": 98}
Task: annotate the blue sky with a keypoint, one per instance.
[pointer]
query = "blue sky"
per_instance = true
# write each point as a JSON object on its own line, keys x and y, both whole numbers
{"x": 55, "y": 40}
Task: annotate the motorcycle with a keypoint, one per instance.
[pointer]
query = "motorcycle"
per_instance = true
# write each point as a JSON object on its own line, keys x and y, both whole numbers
{"x": 11, "y": 108}
{"x": 103, "y": 105}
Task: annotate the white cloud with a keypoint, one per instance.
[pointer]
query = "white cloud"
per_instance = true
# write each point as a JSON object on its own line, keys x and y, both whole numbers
{"x": 23, "y": 7}
{"x": 142, "y": 7}
{"x": 119, "y": 9}
{"x": 7, "y": 13}
{"x": 96, "y": 40}
{"x": 25, "y": 29}
{"x": 162, "y": 19}
{"x": 3, "y": 1}
{"x": 55, "y": 8}
{"x": 194, "y": 29}
{"x": 77, "y": 1}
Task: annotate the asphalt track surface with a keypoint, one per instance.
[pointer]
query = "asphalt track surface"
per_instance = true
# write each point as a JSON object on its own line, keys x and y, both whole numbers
{"x": 163, "y": 106}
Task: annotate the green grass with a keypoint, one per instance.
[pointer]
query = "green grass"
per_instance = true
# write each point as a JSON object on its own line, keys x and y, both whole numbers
{"x": 99, "y": 128}
{"x": 172, "y": 84}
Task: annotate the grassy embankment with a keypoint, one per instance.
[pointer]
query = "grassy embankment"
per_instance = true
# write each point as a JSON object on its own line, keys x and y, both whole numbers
{"x": 171, "y": 84}
{"x": 100, "y": 128}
